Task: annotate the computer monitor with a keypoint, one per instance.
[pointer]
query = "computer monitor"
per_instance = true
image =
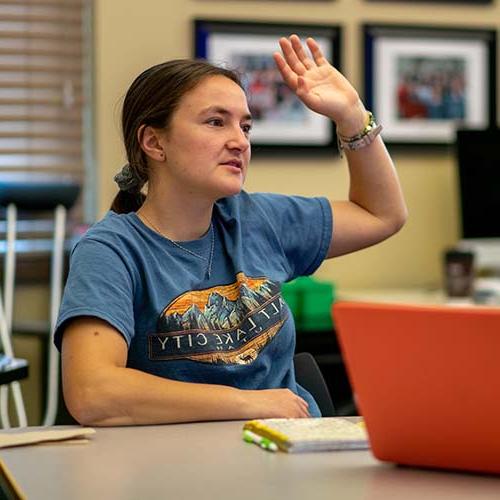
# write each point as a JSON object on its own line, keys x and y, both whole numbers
{"x": 478, "y": 157}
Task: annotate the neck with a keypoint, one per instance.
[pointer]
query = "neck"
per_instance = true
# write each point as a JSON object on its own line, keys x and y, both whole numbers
{"x": 177, "y": 217}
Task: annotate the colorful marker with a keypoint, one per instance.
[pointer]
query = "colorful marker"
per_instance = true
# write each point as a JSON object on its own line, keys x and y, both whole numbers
{"x": 264, "y": 443}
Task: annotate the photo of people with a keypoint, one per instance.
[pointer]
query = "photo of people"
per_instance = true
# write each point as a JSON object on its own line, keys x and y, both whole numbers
{"x": 280, "y": 120}
{"x": 269, "y": 97}
{"x": 431, "y": 88}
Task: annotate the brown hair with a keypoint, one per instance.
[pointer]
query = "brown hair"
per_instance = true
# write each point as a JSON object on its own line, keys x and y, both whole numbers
{"x": 151, "y": 100}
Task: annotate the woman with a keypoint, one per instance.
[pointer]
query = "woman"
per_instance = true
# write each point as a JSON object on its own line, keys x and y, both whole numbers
{"x": 172, "y": 311}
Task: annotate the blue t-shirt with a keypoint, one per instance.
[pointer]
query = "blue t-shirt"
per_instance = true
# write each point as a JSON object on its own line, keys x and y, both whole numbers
{"x": 230, "y": 328}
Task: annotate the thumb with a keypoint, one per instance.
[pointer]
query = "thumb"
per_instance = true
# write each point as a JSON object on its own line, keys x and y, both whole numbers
{"x": 301, "y": 85}
{"x": 310, "y": 99}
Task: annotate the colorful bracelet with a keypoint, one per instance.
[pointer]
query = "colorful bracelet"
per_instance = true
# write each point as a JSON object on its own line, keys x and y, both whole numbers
{"x": 361, "y": 140}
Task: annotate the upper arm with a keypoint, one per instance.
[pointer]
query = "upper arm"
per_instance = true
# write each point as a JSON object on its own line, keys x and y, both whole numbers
{"x": 90, "y": 348}
{"x": 100, "y": 284}
{"x": 299, "y": 230}
{"x": 355, "y": 228}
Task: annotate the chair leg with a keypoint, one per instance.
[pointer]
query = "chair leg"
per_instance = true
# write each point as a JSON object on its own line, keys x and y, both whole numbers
{"x": 55, "y": 301}
{"x": 6, "y": 308}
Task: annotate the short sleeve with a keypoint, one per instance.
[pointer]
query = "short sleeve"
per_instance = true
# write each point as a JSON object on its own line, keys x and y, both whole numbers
{"x": 303, "y": 227}
{"x": 99, "y": 284}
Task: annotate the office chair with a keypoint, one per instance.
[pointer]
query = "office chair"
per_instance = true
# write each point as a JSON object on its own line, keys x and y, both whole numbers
{"x": 309, "y": 376}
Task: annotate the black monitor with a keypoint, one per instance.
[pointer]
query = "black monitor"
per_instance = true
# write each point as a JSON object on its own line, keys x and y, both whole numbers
{"x": 478, "y": 157}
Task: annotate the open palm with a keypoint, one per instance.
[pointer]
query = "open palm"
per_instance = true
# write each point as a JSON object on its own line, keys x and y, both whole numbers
{"x": 316, "y": 82}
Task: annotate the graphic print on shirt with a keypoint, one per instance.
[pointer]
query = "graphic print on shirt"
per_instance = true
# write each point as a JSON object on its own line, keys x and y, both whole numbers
{"x": 228, "y": 324}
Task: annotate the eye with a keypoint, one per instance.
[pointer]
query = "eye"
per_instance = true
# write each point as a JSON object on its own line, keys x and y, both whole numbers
{"x": 246, "y": 127}
{"x": 216, "y": 122}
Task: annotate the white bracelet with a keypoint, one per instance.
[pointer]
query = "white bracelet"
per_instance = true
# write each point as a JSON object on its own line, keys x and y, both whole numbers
{"x": 361, "y": 140}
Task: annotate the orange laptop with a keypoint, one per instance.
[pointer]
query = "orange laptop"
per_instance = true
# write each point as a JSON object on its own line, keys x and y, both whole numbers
{"x": 427, "y": 381}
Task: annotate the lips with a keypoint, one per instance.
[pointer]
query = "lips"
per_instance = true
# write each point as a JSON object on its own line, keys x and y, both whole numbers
{"x": 234, "y": 163}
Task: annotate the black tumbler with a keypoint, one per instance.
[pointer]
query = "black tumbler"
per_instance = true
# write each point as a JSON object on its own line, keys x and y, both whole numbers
{"x": 459, "y": 272}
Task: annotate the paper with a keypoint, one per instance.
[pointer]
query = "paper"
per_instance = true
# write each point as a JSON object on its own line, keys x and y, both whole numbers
{"x": 36, "y": 435}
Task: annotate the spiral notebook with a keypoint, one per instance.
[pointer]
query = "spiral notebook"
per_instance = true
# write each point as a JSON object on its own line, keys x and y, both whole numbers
{"x": 295, "y": 435}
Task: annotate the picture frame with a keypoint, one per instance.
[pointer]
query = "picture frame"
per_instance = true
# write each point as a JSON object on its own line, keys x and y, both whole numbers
{"x": 282, "y": 124}
{"x": 422, "y": 83}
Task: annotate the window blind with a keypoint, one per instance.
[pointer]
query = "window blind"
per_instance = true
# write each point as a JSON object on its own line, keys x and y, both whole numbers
{"x": 43, "y": 52}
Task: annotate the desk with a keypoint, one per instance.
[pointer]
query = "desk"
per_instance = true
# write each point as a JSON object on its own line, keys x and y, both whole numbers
{"x": 207, "y": 461}
{"x": 421, "y": 296}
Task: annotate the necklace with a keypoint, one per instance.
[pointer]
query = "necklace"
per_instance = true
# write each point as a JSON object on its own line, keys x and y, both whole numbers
{"x": 184, "y": 249}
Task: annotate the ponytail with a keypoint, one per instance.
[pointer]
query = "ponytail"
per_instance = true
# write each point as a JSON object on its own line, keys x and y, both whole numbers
{"x": 130, "y": 182}
{"x": 125, "y": 202}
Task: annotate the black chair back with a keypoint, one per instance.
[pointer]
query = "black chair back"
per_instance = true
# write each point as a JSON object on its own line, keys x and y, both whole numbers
{"x": 309, "y": 376}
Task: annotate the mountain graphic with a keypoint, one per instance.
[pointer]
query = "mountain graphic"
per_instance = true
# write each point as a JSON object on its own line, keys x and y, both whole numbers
{"x": 219, "y": 309}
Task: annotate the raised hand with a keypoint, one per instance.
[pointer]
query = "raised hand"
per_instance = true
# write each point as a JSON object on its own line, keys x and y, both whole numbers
{"x": 320, "y": 86}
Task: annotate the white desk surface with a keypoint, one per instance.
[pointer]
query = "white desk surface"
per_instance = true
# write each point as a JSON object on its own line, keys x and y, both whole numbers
{"x": 211, "y": 461}
{"x": 421, "y": 296}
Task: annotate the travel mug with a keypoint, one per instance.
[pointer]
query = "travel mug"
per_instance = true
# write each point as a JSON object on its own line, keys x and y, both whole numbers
{"x": 458, "y": 272}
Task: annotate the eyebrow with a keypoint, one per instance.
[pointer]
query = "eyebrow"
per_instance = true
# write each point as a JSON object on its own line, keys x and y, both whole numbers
{"x": 222, "y": 111}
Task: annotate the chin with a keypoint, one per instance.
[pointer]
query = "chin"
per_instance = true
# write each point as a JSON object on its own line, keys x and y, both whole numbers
{"x": 230, "y": 189}
{"x": 233, "y": 192}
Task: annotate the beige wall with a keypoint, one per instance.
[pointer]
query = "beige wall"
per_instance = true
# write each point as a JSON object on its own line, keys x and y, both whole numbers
{"x": 132, "y": 35}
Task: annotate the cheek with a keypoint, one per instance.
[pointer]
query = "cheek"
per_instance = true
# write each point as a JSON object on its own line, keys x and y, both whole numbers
{"x": 248, "y": 154}
{"x": 212, "y": 144}
{"x": 204, "y": 148}
{"x": 190, "y": 140}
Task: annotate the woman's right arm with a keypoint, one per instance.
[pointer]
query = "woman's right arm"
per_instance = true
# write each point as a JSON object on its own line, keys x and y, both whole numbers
{"x": 100, "y": 390}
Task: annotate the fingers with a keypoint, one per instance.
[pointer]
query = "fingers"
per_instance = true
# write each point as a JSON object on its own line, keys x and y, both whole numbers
{"x": 294, "y": 63}
{"x": 297, "y": 57}
{"x": 290, "y": 55}
{"x": 304, "y": 407}
{"x": 280, "y": 403}
{"x": 318, "y": 56}
{"x": 289, "y": 77}
{"x": 300, "y": 52}
{"x": 297, "y": 406}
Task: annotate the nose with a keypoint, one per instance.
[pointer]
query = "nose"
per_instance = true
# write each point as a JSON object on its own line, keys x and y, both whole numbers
{"x": 238, "y": 140}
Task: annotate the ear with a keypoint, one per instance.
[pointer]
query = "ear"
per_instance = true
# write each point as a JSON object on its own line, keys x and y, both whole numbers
{"x": 149, "y": 140}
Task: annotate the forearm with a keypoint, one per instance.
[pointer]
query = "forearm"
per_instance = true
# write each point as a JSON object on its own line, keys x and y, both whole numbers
{"x": 374, "y": 185}
{"x": 375, "y": 208}
{"x": 124, "y": 396}
{"x": 100, "y": 390}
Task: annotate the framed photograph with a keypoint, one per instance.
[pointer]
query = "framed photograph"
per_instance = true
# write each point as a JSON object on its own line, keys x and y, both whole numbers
{"x": 423, "y": 83}
{"x": 281, "y": 123}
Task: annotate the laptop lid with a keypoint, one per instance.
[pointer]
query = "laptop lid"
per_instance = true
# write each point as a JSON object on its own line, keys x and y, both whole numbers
{"x": 427, "y": 381}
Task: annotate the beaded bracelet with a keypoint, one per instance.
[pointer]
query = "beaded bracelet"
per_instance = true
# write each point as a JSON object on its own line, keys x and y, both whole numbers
{"x": 361, "y": 140}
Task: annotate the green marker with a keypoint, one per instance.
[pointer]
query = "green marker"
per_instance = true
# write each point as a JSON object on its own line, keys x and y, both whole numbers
{"x": 264, "y": 443}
